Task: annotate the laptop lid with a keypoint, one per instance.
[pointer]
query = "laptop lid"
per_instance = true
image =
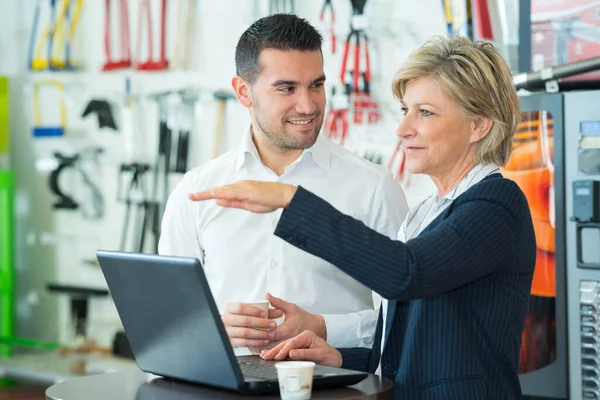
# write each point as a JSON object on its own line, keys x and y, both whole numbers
{"x": 169, "y": 316}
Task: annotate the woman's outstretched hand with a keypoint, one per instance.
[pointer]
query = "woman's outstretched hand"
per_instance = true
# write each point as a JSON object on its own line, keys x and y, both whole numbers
{"x": 255, "y": 196}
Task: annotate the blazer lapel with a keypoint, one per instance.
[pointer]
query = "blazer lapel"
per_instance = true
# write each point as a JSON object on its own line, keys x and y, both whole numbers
{"x": 389, "y": 319}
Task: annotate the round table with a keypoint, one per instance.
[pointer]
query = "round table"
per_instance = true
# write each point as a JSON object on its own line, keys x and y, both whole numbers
{"x": 138, "y": 385}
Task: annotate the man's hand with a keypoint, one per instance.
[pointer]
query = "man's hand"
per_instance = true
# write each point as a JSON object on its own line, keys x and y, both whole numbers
{"x": 258, "y": 197}
{"x": 241, "y": 321}
{"x": 307, "y": 346}
{"x": 296, "y": 320}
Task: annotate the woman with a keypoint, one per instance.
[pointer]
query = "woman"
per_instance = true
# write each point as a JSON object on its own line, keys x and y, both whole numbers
{"x": 457, "y": 280}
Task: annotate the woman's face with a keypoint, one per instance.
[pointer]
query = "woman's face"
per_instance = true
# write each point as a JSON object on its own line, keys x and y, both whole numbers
{"x": 435, "y": 135}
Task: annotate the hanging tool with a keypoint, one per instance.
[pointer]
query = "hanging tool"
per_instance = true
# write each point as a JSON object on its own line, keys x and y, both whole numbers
{"x": 162, "y": 165}
{"x": 59, "y": 35}
{"x": 48, "y": 131}
{"x": 92, "y": 207}
{"x": 338, "y": 114}
{"x": 37, "y": 60}
{"x": 328, "y": 5}
{"x": 103, "y": 111}
{"x": 33, "y": 62}
{"x": 221, "y": 97}
{"x": 401, "y": 174}
{"x": 64, "y": 201}
{"x": 186, "y": 126}
{"x": 183, "y": 40}
{"x": 136, "y": 199}
{"x": 371, "y": 106}
{"x": 281, "y": 6}
{"x": 362, "y": 95}
{"x": 150, "y": 64}
{"x": 124, "y": 58}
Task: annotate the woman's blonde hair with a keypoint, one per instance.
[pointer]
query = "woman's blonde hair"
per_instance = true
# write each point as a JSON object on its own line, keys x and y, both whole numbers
{"x": 475, "y": 76}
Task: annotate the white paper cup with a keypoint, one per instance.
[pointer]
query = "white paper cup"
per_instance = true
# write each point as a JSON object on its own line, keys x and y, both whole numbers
{"x": 263, "y": 305}
{"x": 295, "y": 379}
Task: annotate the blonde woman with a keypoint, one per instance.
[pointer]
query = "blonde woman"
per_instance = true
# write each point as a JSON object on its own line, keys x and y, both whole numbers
{"x": 456, "y": 282}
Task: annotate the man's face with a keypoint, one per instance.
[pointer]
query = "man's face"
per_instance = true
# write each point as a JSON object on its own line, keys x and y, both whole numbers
{"x": 288, "y": 98}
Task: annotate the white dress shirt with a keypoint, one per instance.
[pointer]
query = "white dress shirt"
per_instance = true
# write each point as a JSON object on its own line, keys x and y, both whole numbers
{"x": 429, "y": 209}
{"x": 242, "y": 258}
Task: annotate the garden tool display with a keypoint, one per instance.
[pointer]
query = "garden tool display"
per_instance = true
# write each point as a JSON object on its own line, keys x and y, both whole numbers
{"x": 123, "y": 59}
{"x": 52, "y": 130}
{"x": 183, "y": 35}
{"x": 221, "y": 97}
{"x": 150, "y": 64}
{"x": 54, "y": 30}
{"x": 103, "y": 111}
{"x": 281, "y": 6}
{"x": 328, "y": 5}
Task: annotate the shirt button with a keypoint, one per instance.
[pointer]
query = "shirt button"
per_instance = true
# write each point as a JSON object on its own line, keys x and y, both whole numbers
{"x": 275, "y": 223}
{"x": 274, "y": 263}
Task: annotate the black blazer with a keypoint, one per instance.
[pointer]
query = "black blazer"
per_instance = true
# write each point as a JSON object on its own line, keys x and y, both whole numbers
{"x": 458, "y": 292}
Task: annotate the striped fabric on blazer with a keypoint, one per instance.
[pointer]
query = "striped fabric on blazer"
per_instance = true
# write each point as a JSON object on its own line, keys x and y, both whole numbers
{"x": 458, "y": 292}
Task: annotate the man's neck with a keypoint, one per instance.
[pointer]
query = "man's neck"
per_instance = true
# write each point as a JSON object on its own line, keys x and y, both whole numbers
{"x": 273, "y": 157}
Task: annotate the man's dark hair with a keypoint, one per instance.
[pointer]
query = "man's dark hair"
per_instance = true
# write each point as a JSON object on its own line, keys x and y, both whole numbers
{"x": 277, "y": 31}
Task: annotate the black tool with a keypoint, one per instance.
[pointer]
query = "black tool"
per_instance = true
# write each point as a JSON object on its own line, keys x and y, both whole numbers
{"x": 186, "y": 126}
{"x": 135, "y": 196}
{"x": 103, "y": 111}
{"x": 64, "y": 201}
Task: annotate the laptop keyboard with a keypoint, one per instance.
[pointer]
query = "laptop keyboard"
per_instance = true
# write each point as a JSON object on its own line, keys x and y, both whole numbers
{"x": 258, "y": 371}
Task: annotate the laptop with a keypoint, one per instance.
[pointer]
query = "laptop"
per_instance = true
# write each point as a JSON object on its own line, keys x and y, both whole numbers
{"x": 175, "y": 330}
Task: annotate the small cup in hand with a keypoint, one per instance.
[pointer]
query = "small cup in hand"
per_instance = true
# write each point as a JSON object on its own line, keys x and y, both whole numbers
{"x": 295, "y": 379}
{"x": 263, "y": 305}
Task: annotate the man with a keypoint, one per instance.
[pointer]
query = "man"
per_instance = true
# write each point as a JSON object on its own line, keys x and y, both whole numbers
{"x": 280, "y": 80}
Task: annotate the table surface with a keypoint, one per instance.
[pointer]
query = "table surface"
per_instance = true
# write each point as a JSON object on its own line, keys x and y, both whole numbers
{"x": 138, "y": 385}
{"x": 51, "y": 367}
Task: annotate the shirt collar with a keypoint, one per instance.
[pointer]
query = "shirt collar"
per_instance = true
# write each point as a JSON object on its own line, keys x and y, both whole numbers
{"x": 476, "y": 175}
{"x": 318, "y": 152}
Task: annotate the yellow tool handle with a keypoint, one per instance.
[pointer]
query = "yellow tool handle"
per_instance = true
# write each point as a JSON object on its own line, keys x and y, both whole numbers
{"x": 37, "y": 114}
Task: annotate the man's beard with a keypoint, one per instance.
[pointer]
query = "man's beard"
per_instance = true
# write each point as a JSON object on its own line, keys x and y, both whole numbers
{"x": 287, "y": 141}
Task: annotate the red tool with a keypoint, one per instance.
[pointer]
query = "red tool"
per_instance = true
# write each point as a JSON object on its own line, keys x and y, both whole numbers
{"x": 401, "y": 174}
{"x": 338, "y": 114}
{"x": 125, "y": 59}
{"x": 328, "y": 5}
{"x": 362, "y": 95}
{"x": 151, "y": 64}
{"x": 333, "y": 118}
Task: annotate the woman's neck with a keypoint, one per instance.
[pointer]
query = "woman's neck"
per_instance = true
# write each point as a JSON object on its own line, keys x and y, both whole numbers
{"x": 449, "y": 180}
